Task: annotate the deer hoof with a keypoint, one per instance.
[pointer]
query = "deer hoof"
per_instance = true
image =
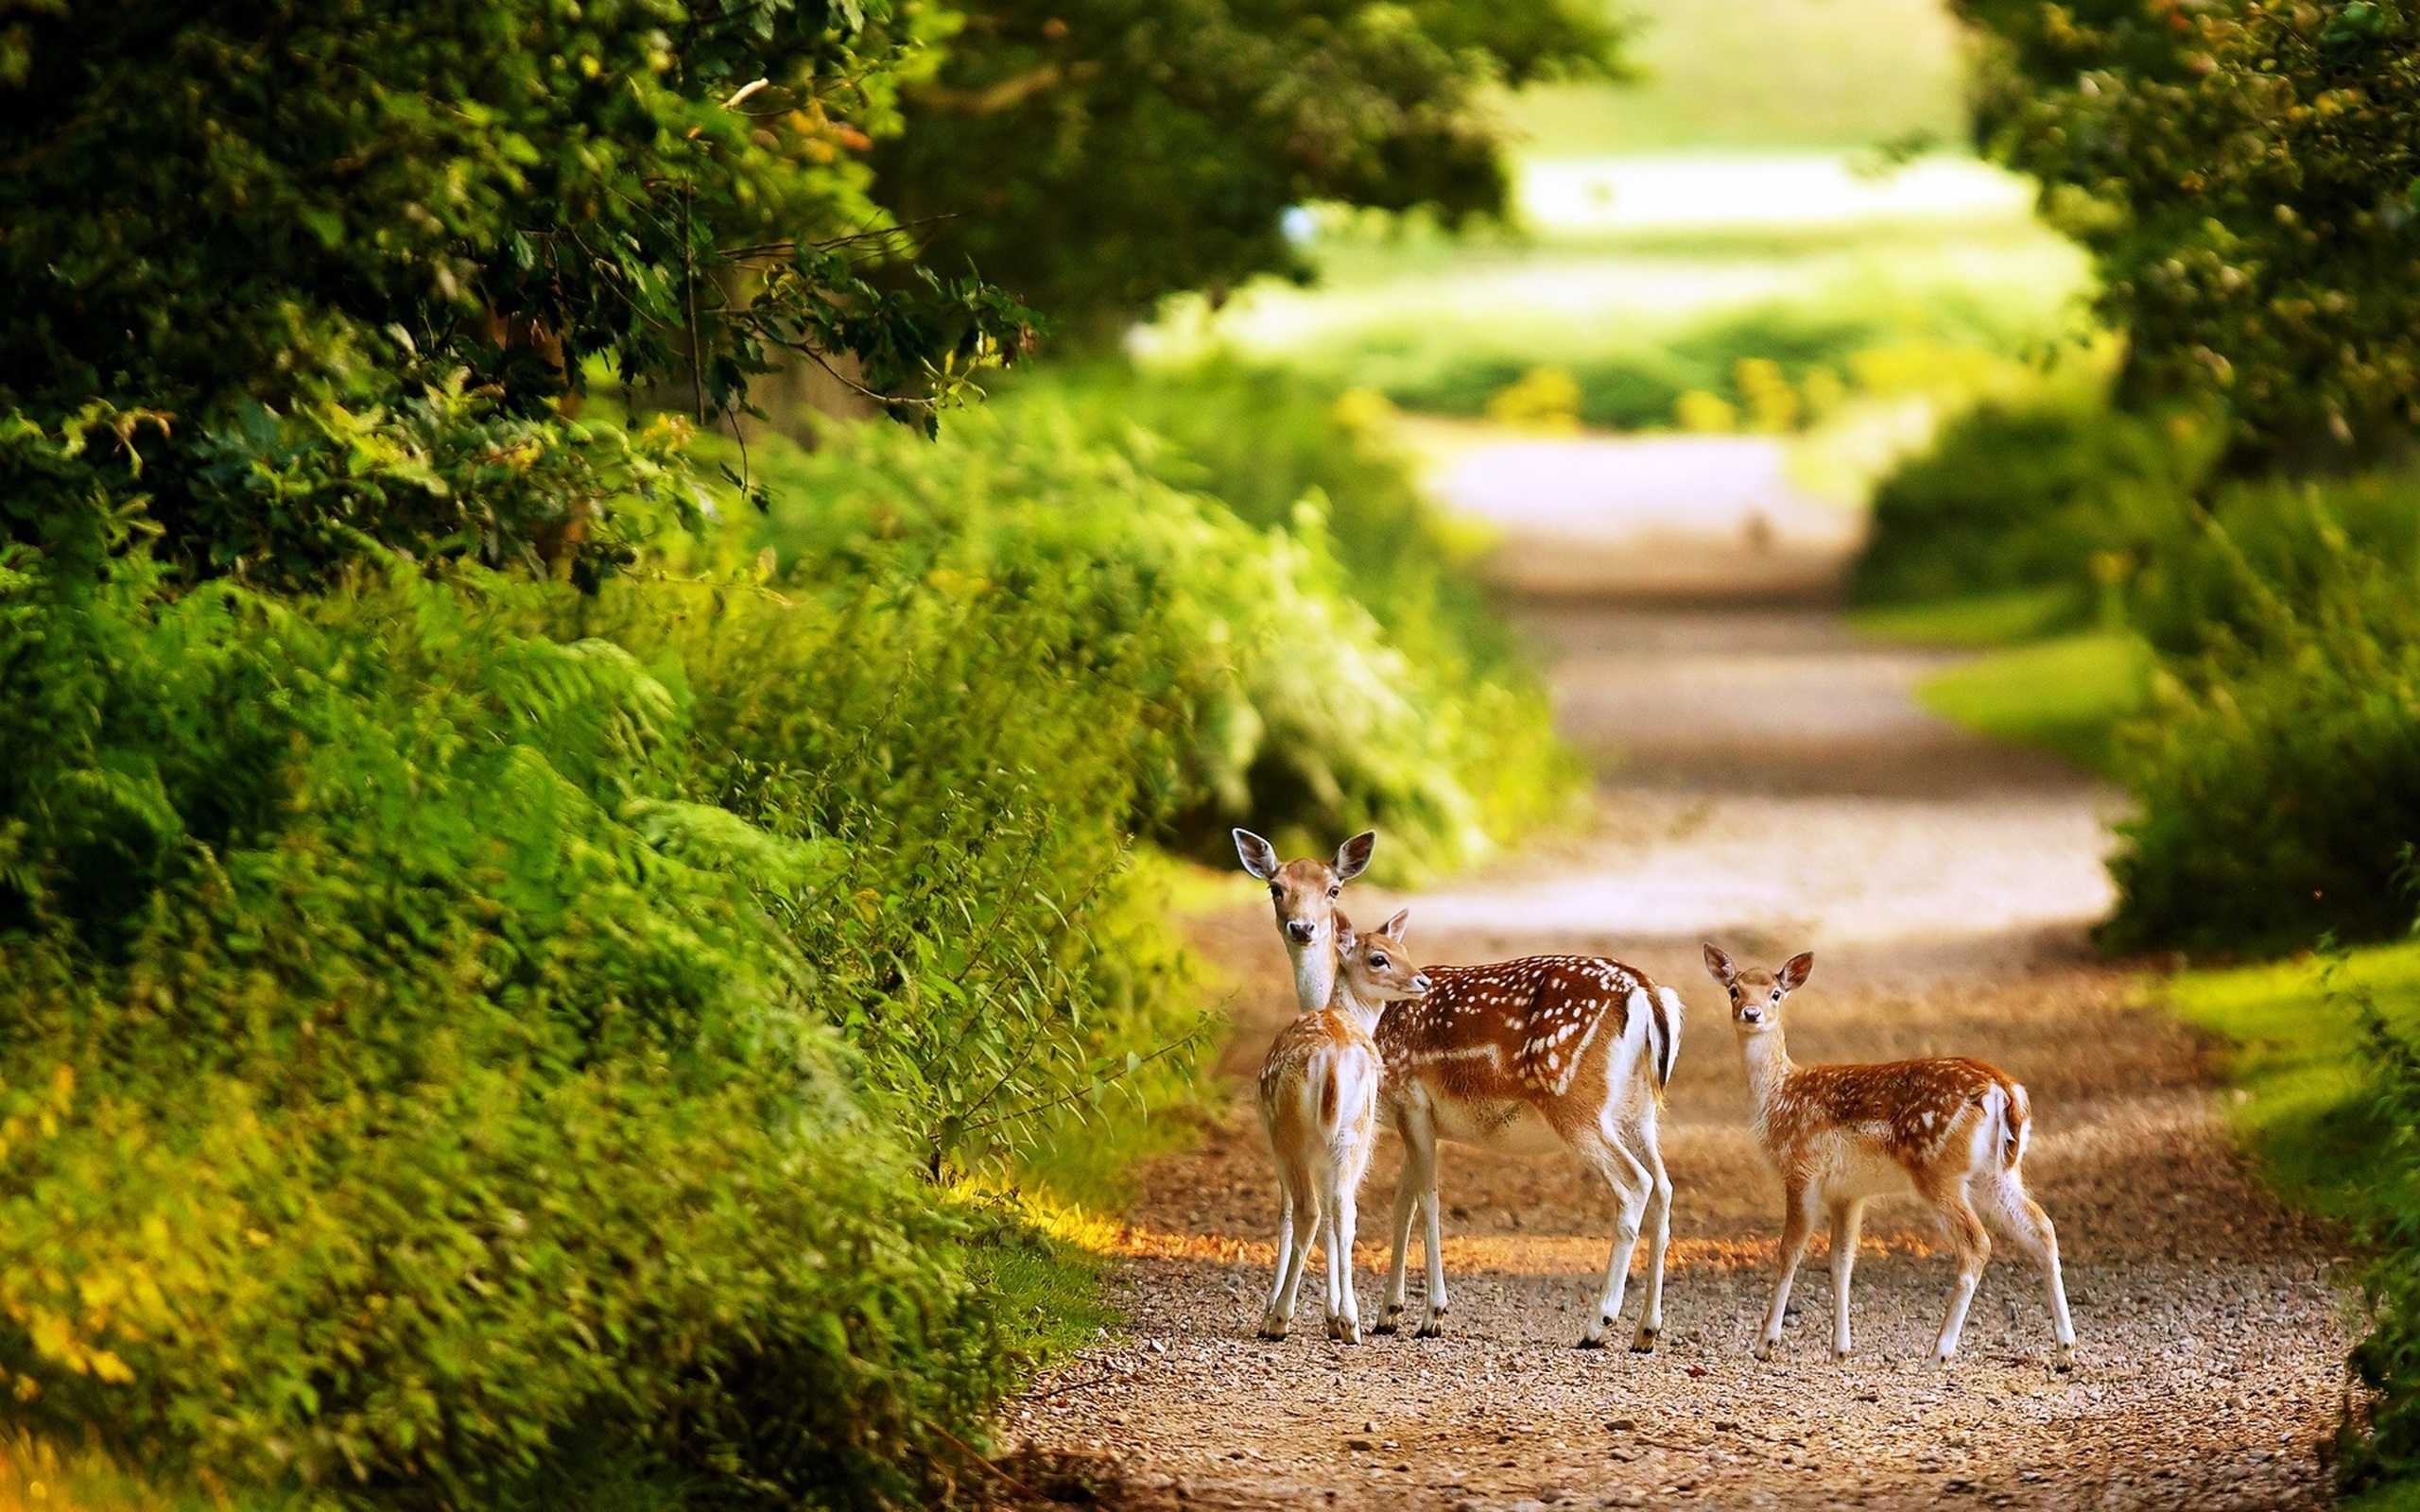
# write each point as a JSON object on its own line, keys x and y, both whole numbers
{"x": 1433, "y": 1328}
{"x": 1842, "y": 1356}
{"x": 2064, "y": 1359}
{"x": 1275, "y": 1331}
{"x": 1645, "y": 1341}
{"x": 1764, "y": 1350}
{"x": 1941, "y": 1362}
{"x": 1590, "y": 1341}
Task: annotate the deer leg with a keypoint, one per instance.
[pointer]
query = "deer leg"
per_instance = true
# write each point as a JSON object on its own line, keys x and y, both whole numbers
{"x": 2022, "y": 1219}
{"x": 1797, "y": 1228}
{"x": 1302, "y": 1206}
{"x": 1420, "y": 1148}
{"x": 1974, "y": 1249}
{"x": 1346, "y": 1311}
{"x": 1847, "y": 1219}
{"x": 1659, "y": 1236}
{"x": 1633, "y": 1188}
{"x": 1407, "y": 1203}
{"x": 1285, "y": 1251}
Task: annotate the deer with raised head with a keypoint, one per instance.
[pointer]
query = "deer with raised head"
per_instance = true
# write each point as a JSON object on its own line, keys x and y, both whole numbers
{"x": 1573, "y": 1050}
{"x": 1319, "y": 1098}
{"x": 1303, "y": 893}
{"x": 1948, "y": 1130}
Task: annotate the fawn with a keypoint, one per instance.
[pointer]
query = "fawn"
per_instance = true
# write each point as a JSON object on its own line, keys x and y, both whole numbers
{"x": 1947, "y": 1131}
{"x": 1525, "y": 1053}
{"x": 1305, "y": 895}
{"x": 1319, "y": 1093}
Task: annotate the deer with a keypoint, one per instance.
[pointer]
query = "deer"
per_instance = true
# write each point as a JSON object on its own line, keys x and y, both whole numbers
{"x": 1494, "y": 1055}
{"x": 1318, "y": 1094}
{"x": 1524, "y": 1055}
{"x": 1948, "y": 1130}
{"x": 1303, "y": 893}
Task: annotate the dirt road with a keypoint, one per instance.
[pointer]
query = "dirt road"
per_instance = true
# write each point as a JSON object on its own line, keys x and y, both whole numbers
{"x": 1768, "y": 782}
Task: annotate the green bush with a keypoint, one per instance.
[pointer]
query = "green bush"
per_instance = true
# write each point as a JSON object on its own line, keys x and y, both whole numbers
{"x": 2243, "y": 174}
{"x": 2053, "y": 491}
{"x": 2381, "y": 1442}
{"x": 2278, "y": 772}
{"x": 410, "y": 1088}
{"x": 2276, "y": 541}
{"x": 1294, "y": 708}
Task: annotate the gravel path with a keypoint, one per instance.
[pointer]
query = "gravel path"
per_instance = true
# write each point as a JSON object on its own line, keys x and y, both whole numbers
{"x": 1767, "y": 780}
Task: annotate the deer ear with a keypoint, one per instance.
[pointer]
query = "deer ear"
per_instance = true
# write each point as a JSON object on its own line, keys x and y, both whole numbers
{"x": 1794, "y": 971}
{"x": 1352, "y": 856}
{"x": 1392, "y": 928}
{"x": 1346, "y": 936}
{"x": 1719, "y": 965}
{"x": 1259, "y": 856}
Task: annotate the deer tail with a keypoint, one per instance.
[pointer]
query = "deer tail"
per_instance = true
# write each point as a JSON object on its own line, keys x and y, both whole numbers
{"x": 1664, "y": 1033}
{"x": 2016, "y": 1123}
{"x": 1330, "y": 1095}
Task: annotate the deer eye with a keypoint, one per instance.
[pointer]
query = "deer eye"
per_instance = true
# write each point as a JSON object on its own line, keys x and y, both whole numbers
{"x": 1337, "y": 888}
{"x": 1777, "y": 994}
{"x": 1276, "y": 892}
{"x": 1377, "y": 963}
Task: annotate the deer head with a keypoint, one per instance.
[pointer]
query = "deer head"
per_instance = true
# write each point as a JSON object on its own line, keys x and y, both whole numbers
{"x": 1756, "y": 994}
{"x": 1374, "y": 968}
{"x": 1303, "y": 893}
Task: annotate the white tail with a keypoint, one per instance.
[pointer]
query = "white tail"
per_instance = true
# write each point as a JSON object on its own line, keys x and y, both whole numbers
{"x": 1318, "y": 1094}
{"x": 1575, "y": 1048}
{"x": 1950, "y": 1131}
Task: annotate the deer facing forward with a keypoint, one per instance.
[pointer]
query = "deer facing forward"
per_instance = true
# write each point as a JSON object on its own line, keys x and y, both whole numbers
{"x": 1951, "y": 1131}
{"x": 1319, "y": 1097}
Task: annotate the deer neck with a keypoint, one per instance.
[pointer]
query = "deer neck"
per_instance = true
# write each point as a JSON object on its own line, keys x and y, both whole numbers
{"x": 1354, "y": 1007}
{"x": 1315, "y": 974}
{"x": 1768, "y": 1064}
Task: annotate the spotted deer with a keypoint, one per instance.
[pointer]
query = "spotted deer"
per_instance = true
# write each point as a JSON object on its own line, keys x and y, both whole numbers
{"x": 1319, "y": 1096}
{"x": 1526, "y": 1054}
{"x": 1950, "y": 1131}
{"x": 1303, "y": 893}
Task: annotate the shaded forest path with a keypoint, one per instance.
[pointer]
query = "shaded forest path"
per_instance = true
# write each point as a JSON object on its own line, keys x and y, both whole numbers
{"x": 1765, "y": 779}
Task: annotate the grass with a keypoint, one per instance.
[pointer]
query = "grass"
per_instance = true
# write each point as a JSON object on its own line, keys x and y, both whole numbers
{"x": 2066, "y": 695}
{"x": 2304, "y": 1107}
{"x": 2403, "y": 1496}
{"x": 1986, "y": 620}
{"x": 2297, "y": 1062}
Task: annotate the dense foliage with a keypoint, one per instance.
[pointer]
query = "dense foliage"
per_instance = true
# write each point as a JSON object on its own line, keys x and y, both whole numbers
{"x": 2247, "y": 174}
{"x": 2279, "y": 769}
{"x": 278, "y": 227}
{"x": 1093, "y": 155}
{"x": 417, "y": 1085}
{"x": 1302, "y": 710}
{"x": 2382, "y": 1440}
{"x": 2044, "y": 490}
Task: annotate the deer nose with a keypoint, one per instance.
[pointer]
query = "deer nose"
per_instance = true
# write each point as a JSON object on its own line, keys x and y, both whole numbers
{"x": 1420, "y": 983}
{"x": 1299, "y": 931}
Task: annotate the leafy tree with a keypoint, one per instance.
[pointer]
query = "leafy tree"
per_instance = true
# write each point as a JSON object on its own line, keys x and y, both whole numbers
{"x": 2247, "y": 172}
{"x": 238, "y": 221}
{"x": 1093, "y": 155}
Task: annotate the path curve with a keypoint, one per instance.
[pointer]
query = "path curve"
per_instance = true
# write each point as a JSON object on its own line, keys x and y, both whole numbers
{"x": 1765, "y": 778}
